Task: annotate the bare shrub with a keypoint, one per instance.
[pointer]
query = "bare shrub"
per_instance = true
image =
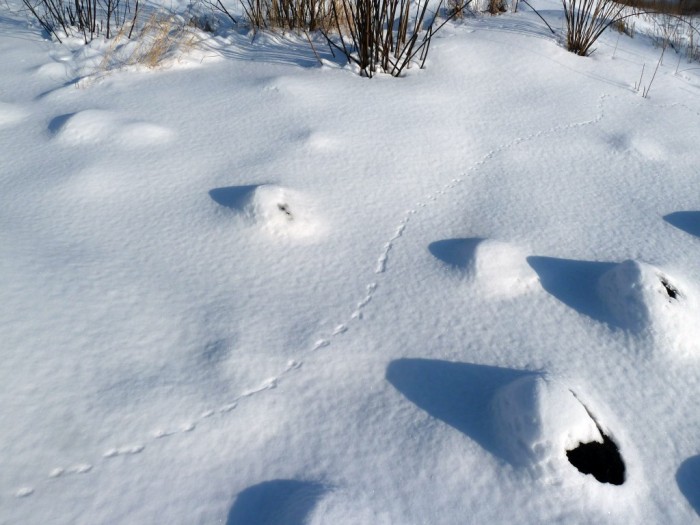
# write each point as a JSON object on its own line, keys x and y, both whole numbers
{"x": 294, "y": 15}
{"x": 496, "y": 7}
{"x": 89, "y": 18}
{"x": 679, "y": 32}
{"x": 456, "y": 8}
{"x": 385, "y": 35}
{"x": 587, "y": 19}
{"x": 674, "y": 23}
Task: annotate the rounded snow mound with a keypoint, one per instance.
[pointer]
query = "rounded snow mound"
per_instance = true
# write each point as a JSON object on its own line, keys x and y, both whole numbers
{"x": 537, "y": 421}
{"x": 94, "y": 126}
{"x": 284, "y": 212}
{"x": 277, "y": 210}
{"x": 501, "y": 269}
{"x": 643, "y": 298}
{"x": 11, "y": 114}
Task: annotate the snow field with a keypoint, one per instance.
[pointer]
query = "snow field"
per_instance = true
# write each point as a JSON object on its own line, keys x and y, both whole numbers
{"x": 232, "y": 297}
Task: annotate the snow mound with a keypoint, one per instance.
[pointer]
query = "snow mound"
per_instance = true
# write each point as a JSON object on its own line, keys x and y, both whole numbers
{"x": 11, "y": 114}
{"x": 279, "y": 211}
{"x": 95, "y": 126}
{"x": 643, "y": 298}
{"x": 537, "y": 420}
{"x": 501, "y": 269}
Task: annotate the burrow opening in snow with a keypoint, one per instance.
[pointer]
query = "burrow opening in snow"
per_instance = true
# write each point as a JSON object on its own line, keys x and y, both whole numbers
{"x": 671, "y": 290}
{"x": 601, "y": 460}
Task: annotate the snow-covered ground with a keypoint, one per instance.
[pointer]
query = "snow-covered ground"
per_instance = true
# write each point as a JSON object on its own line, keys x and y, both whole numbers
{"x": 246, "y": 288}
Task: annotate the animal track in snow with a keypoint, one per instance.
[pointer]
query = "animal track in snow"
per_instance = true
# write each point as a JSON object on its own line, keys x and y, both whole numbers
{"x": 124, "y": 451}
{"x": 82, "y": 468}
{"x": 23, "y": 492}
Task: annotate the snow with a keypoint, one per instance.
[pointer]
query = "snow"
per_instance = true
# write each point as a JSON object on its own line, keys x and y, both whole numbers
{"x": 245, "y": 287}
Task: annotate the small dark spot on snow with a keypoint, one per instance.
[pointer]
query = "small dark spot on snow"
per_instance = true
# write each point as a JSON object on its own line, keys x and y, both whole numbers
{"x": 602, "y": 460}
{"x": 672, "y": 292}
{"x": 285, "y": 209}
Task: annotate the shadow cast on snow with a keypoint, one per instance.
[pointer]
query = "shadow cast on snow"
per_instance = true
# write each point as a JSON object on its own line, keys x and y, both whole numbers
{"x": 574, "y": 283}
{"x": 688, "y": 221}
{"x": 459, "y": 394}
{"x": 458, "y": 253}
{"x": 234, "y": 197}
{"x": 275, "y": 502}
{"x": 280, "y": 49}
{"x": 56, "y": 124}
{"x": 688, "y": 479}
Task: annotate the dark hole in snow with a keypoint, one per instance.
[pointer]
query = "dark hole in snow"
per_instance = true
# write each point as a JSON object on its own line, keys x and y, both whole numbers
{"x": 602, "y": 460}
{"x": 285, "y": 209}
{"x": 670, "y": 290}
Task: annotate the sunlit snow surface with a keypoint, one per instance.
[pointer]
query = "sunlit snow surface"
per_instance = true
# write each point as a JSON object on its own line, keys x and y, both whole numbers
{"x": 246, "y": 288}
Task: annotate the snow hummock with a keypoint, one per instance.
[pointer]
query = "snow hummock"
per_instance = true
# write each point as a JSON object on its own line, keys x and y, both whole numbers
{"x": 641, "y": 297}
{"x": 279, "y": 211}
{"x": 538, "y": 420}
{"x": 498, "y": 268}
{"x": 95, "y": 126}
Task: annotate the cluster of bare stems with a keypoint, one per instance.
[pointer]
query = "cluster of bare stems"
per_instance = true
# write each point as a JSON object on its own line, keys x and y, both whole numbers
{"x": 385, "y": 35}
{"x": 586, "y": 20}
{"x": 377, "y": 35}
{"x": 89, "y": 18}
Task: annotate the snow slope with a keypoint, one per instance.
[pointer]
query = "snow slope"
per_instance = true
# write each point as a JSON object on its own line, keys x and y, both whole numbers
{"x": 247, "y": 288}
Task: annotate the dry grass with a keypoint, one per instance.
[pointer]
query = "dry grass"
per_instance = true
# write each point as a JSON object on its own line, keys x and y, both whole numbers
{"x": 160, "y": 38}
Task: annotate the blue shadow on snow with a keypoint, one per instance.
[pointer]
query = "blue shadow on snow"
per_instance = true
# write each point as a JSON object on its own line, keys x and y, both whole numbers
{"x": 688, "y": 479}
{"x": 57, "y": 123}
{"x": 458, "y": 253}
{"x": 574, "y": 283}
{"x": 234, "y": 197}
{"x": 457, "y": 393}
{"x": 275, "y": 502}
{"x": 688, "y": 221}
